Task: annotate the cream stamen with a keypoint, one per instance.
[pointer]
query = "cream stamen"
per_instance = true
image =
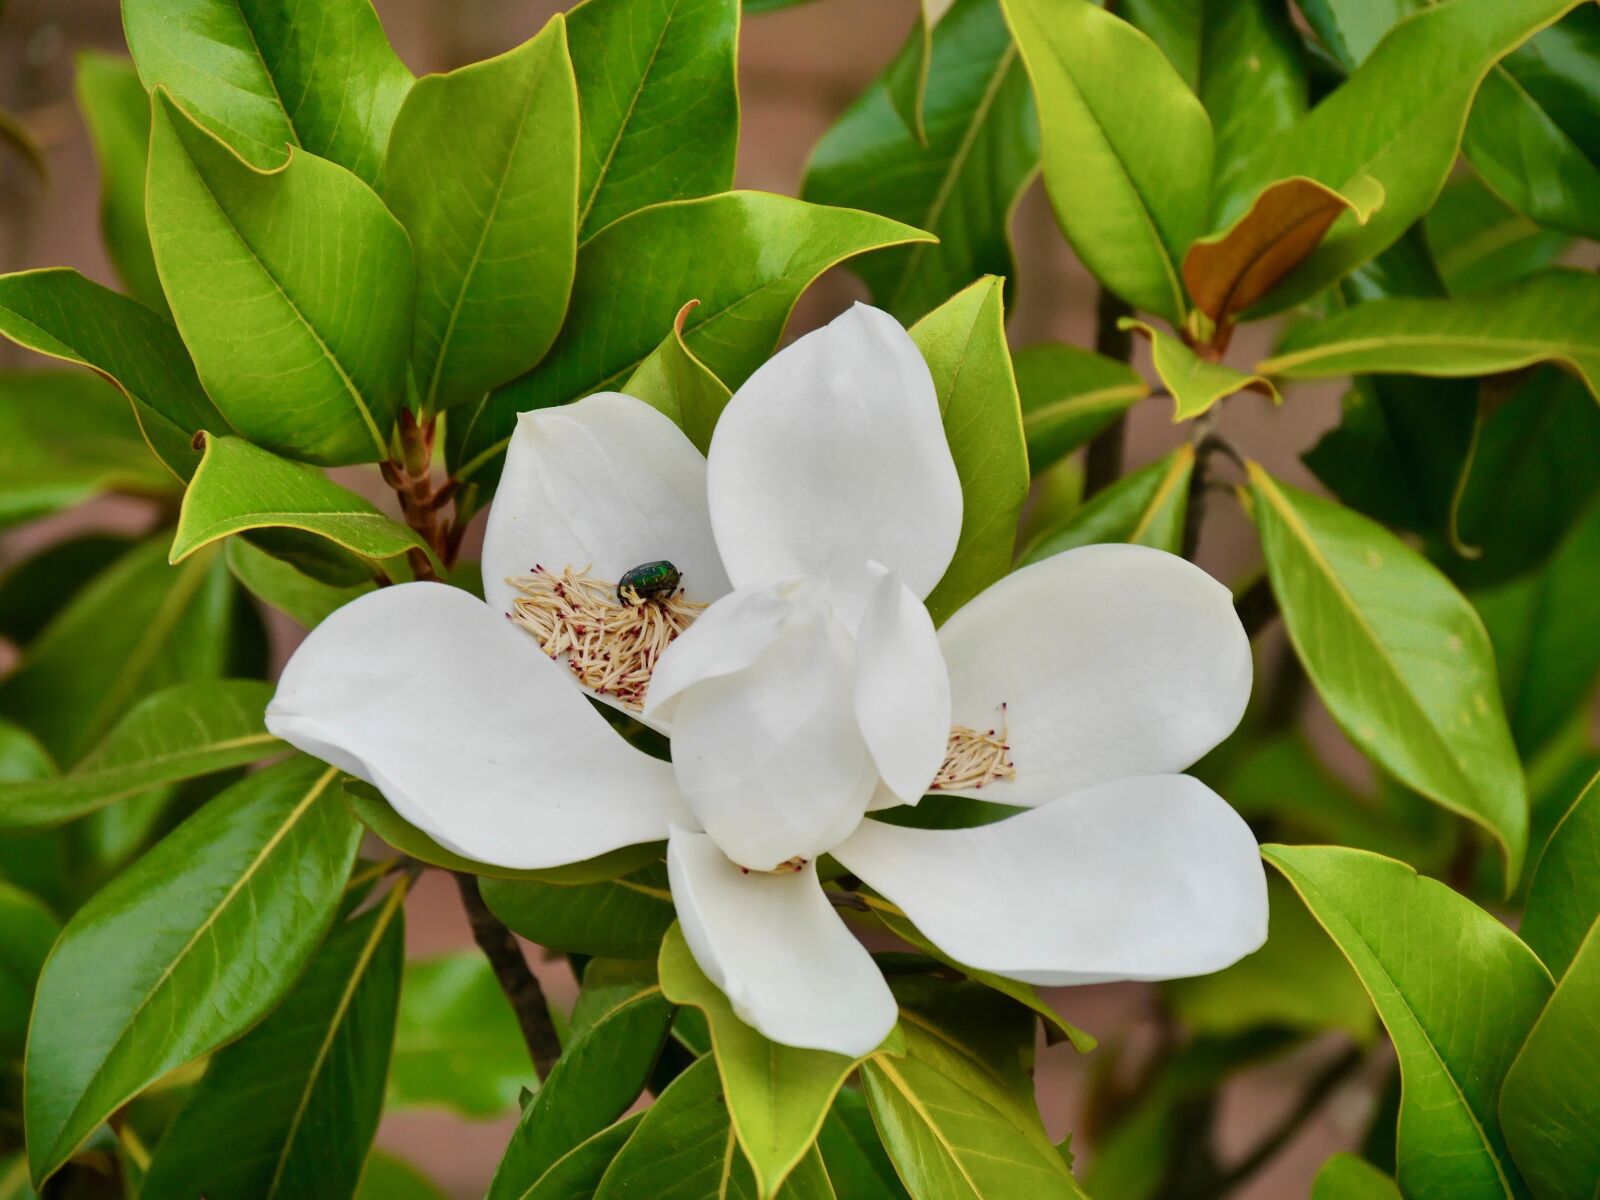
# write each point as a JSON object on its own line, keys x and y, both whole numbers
{"x": 974, "y": 757}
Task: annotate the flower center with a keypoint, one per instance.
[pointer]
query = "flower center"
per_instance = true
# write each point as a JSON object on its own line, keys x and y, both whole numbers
{"x": 975, "y": 757}
{"x": 612, "y": 637}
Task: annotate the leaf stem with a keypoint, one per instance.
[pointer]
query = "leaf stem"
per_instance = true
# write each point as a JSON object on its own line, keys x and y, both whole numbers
{"x": 1322, "y": 1085}
{"x": 517, "y": 981}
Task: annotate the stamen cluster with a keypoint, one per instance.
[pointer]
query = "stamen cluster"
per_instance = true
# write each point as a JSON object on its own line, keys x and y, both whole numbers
{"x": 975, "y": 757}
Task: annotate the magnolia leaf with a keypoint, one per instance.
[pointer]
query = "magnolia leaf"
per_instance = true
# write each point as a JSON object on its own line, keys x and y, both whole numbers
{"x": 261, "y": 76}
{"x": 1564, "y": 896}
{"x": 576, "y": 1175}
{"x": 240, "y": 487}
{"x": 1550, "y": 1103}
{"x": 1550, "y": 317}
{"x": 117, "y": 112}
{"x": 963, "y": 183}
{"x": 1398, "y": 655}
{"x": 282, "y": 585}
{"x": 907, "y": 78}
{"x": 622, "y": 917}
{"x": 1228, "y": 272}
{"x": 1346, "y": 1177}
{"x": 1068, "y": 395}
{"x": 1147, "y": 507}
{"x": 1251, "y": 74}
{"x": 60, "y": 313}
{"x": 777, "y": 1095}
{"x": 964, "y": 344}
{"x": 673, "y": 381}
{"x": 181, "y": 732}
{"x": 746, "y": 256}
{"x": 1196, "y": 384}
{"x": 302, "y": 249}
{"x": 297, "y": 1099}
{"x": 658, "y": 101}
{"x": 857, "y": 1163}
{"x": 186, "y": 949}
{"x": 27, "y": 930}
{"x": 601, "y": 1072}
{"x": 482, "y": 170}
{"x": 388, "y": 1177}
{"x": 1128, "y": 169}
{"x": 1418, "y": 947}
{"x": 1479, "y": 243}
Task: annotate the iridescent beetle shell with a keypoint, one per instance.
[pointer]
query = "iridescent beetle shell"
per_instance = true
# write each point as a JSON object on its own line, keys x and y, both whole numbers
{"x": 650, "y": 581}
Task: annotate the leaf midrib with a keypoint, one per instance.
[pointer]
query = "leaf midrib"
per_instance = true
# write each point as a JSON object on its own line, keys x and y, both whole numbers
{"x": 1448, "y": 341}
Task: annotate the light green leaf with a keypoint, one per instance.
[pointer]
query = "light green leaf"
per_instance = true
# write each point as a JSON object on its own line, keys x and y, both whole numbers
{"x": 181, "y": 732}
{"x": 1398, "y": 655}
{"x": 746, "y": 256}
{"x": 1196, "y": 384}
{"x": 1550, "y": 317}
{"x": 27, "y": 930}
{"x": 857, "y": 1163}
{"x": 1564, "y": 896}
{"x": 962, "y": 183}
{"x": 482, "y": 170}
{"x": 1550, "y": 1104}
{"x": 964, "y": 344}
{"x": 117, "y": 111}
{"x": 1346, "y": 1177}
{"x": 239, "y": 487}
{"x": 1127, "y": 168}
{"x": 60, "y": 313}
{"x": 1069, "y": 395}
{"x": 1419, "y": 947}
{"x": 1147, "y": 507}
{"x": 577, "y": 1173}
{"x": 285, "y": 587}
{"x": 777, "y": 1095}
{"x": 624, "y": 917}
{"x": 187, "y": 948}
{"x": 601, "y": 1072}
{"x": 297, "y": 1099}
{"x": 1480, "y": 244}
{"x": 457, "y": 1043}
{"x": 262, "y": 76}
{"x": 388, "y": 1177}
{"x": 304, "y": 250}
{"x": 659, "y": 101}
{"x": 673, "y": 381}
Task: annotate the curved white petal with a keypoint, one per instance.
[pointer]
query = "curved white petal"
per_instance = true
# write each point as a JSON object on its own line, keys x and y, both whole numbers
{"x": 834, "y": 453}
{"x": 902, "y": 688}
{"x": 608, "y": 483}
{"x": 778, "y": 951}
{"x": 469, "y": 731}
{"x": 770, "y": 758}
{"x": 1110, "y": 660}
{"x": 1148, "y": 878}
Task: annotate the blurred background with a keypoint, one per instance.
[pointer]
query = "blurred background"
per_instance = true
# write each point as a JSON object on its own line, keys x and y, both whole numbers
{"x": 799, "y": 69}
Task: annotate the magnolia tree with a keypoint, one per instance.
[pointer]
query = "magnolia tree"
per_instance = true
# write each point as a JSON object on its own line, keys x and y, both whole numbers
{"x": 751, "y": 706}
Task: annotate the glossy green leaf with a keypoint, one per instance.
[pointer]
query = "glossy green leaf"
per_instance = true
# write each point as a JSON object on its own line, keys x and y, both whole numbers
{"x": 1479, "y": 243}
{"x": 1128, "y": 169}
{"x": 1564, "y": 896}
{"x": 1398, "y": 119}
{"x": 1550, "y": 317}
{"x": 117, "y": 111}
{"x": 296, "y": 1100}
{"x": 600, "y": 1073}
{"x": 263, "y": 76}
{"x": 184, "y": 950}
{"x": 457, "y": 1044}
{"x": 27, "y": 930}
{"x": 673, "y": 381}
{"x": 857, "y": 1163}
{"x": 577, "y": 1173}
{"x": 1419, "y": 947}
{"x": 962, "y": 183}
{"x": 1398, "y": 655}
{"x": 240, "y": 487}
{"x": 624, "y": 917}
{"x": 482, "y": 170}
{"x": 1346, "y": 1177}
{"x": 964, "y": 344}
{"x": 659, "y": 102}
{"x": 1196, "y": 384}
{"x": 180, "y": 732}
{"x": 746, "y": 256}
{"x": 60, "y": 313}
{"x": 1069, "y": 395}
{"x": 1147, "y": 507}
{"x": 285, "y": 587}
{"x": 303, "y": 250}
{"x": 777, "y": 1095}
{"x": 1550, "y": 1103}
{"x": 1252, "y": 76}
{"x": 140, "y": 626}
{"x": 388, "y": 1177}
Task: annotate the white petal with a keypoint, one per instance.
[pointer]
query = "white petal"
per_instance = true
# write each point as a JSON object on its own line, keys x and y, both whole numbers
{"x": 778, "y": 951}
{"x": 608, "y": 483}
{"x": 834, "y": 453}
{"x": 1111, "y": 661}
{"x": 1149, "y": 878}
{"x": 770, "y": 759}
{"x": 469, "y": 731}
{"x": 902, "y": 688}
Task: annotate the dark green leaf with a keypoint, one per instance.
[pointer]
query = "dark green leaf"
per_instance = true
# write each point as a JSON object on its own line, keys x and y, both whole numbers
{"x": 619, "y": 918}
{"x": 1069, "y": 395}
{"x": 1147, "y": 507}
{"x": 387, "y": 1177}
{"x": 857, "y": 1163}
{"x": 33, "y": 590}
{"x": 1564, "y": 897}
{"x": 285, "y": 587}
{"x": 1252, "y": 76}
{"x": 1481, "y": 244}
{"x": 27, "y": 930}
{"x": 577, "y": 1173}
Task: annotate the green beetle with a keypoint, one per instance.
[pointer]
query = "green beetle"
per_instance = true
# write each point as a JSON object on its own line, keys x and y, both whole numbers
{"x": 650, "y": 581}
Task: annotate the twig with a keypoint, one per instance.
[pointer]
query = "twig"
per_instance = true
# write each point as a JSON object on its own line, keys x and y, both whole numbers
{"x": 517, "y": 981}
{"x": 1103, "y": 460}
{"x": 1257, "y": 607}
{"x": 1322, "y": 1085}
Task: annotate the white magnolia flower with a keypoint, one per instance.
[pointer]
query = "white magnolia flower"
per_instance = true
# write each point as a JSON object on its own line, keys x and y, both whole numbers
{"x": 813, "y": 689}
